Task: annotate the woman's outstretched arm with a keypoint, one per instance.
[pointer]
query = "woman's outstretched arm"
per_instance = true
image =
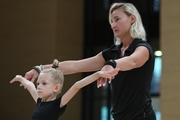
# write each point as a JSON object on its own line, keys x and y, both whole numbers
{"x": 71, "y": 66}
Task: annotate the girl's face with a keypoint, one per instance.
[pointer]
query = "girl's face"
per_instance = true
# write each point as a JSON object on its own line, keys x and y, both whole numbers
{"x": 121, "y": 23}
{"x": 45, "y": 86}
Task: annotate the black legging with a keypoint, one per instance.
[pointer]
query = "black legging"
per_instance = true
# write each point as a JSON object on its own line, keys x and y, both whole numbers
{"x": 150, "y": 116}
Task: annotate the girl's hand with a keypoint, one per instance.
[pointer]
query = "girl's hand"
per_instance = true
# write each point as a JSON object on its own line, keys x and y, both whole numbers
{"x": 18, "y": 78}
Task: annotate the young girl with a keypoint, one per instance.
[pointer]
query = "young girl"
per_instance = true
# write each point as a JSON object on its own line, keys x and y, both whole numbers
{"x": 49, "y": 86}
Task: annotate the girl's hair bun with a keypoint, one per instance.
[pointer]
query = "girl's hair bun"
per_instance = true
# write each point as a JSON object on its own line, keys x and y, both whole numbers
{"x": 55, "y": 64}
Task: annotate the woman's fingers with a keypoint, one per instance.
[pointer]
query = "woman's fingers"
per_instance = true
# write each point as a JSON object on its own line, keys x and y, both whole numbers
{"x": 101, "y": 82}
{"x": 31, "y": 75}
{"x": 112, "y": 74}
{"x": 107, "y": 75}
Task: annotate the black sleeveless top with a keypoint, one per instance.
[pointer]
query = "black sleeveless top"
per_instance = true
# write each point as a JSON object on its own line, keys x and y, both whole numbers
{"x": 131, "y": 89}
{"x": 48, "y": 110}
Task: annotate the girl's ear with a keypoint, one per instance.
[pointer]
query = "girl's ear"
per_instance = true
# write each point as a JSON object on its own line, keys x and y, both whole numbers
{"x": 57, "y": 88}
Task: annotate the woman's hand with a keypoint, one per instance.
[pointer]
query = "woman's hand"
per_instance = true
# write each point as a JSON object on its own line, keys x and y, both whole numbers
{"x": 107, "y": 69}
{"x": 31, "y": 75}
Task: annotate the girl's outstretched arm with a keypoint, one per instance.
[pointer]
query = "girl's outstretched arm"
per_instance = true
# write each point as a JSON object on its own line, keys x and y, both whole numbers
{"x": 87, "y": 80}
{"x": 27, "y": 85}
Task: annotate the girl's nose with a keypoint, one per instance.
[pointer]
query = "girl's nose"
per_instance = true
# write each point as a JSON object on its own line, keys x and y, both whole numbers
{"x": 38, "y": 87}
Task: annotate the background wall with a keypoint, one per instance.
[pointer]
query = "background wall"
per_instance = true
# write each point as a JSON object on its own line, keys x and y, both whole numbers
{"x": 170, "y": 44}
{"x": 33, "y": 33}
{"x": 36, "y": 32}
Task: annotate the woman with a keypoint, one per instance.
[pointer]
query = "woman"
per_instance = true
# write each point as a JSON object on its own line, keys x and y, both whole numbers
{"x": 131, "y": 54}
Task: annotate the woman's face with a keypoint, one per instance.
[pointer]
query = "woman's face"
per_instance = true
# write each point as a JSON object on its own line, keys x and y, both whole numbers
{"x": 121, "y": 23}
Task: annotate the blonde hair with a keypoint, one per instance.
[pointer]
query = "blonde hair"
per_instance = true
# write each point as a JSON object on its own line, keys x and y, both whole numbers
{"x": 137, "y": 29}
{"x": 57, "y": 75}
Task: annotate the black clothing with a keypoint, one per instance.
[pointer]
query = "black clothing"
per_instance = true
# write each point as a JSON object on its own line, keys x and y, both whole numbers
{"x": 131, "y": 89}
{"x": 48, "y": 110}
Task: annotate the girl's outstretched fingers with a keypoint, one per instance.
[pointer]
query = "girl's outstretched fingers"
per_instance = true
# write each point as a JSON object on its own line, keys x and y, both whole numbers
{"x": 17, "y": 78}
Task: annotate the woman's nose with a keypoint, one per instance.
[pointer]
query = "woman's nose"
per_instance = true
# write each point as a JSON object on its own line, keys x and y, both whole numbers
{"x": 113, "y": 25}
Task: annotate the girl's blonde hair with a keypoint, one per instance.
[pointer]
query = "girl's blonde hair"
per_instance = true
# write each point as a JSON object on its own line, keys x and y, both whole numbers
{"x": 57, "y": 75}
{"x": 137, "y": 29}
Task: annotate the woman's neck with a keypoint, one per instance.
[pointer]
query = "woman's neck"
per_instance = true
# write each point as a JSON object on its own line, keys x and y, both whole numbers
{"x": 126, "y": 42}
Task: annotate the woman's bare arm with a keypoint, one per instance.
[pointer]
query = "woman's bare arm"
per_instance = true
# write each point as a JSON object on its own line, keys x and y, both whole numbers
{"x": 85, "y": 65}
{"x": 135, "y": 60}
{"x": 72, "y": 66}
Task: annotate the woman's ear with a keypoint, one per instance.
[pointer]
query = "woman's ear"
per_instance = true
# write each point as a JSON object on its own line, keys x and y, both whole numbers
{"x": 133, "y": 19}
{"x": 57, "y": 88}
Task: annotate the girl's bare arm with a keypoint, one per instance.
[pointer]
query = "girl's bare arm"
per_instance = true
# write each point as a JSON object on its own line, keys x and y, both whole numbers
{"x": 87, "y": 80}
{"x": 27, "y": 85}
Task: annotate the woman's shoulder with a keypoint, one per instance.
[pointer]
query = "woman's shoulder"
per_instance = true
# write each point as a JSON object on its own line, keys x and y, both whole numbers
{"x": 111, "y": 52}
{"x": 139, "y": 42}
